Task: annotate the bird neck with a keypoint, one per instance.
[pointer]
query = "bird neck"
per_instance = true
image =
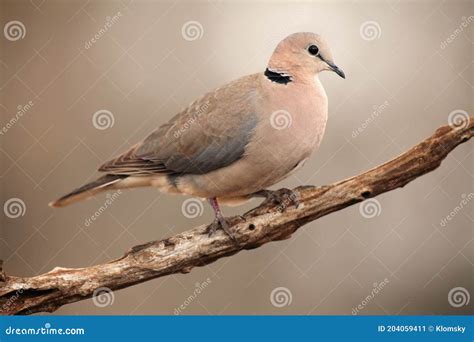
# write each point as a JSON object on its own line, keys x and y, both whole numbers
{"x": 289, "y": 75}
{"x": 277, "y": 76}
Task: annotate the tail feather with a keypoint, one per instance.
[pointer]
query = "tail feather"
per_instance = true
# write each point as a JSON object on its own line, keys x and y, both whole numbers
{"x": 87, "y": 190}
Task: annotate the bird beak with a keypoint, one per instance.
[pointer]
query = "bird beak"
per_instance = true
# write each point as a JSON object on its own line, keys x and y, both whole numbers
{"x": 336, "y": 69}
{"x": 333, "y": 67}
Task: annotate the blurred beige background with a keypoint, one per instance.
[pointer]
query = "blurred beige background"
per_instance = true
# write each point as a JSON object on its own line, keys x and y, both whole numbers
{"x": 408, "y": 66}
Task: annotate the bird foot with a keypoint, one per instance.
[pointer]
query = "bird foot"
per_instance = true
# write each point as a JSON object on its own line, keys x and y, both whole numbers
{"x": 221, "y": 222}
{"x": 283, "y": 198}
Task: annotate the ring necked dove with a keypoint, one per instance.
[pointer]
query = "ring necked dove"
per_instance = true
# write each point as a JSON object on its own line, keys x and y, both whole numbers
{"x": 235, "y": 141}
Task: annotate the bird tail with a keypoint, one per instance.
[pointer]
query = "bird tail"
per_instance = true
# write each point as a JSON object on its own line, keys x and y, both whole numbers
{"x": 87, "y": 190}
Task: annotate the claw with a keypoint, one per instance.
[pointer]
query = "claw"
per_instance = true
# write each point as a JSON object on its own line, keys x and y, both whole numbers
{"x": 219, "y": 222}
{"x": 283, "y": 197}
{"x": 212, "y": 228}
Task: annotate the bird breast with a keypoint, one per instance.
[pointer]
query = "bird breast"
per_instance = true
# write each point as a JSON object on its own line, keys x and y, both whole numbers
{"x": 292, "y": 125}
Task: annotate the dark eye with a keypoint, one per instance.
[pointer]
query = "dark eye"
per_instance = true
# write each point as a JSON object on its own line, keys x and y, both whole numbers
{"x": 313, "y": 50}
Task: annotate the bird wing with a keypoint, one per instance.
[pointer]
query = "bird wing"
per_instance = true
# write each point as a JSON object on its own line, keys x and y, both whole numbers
{"x": 209, "y": 134}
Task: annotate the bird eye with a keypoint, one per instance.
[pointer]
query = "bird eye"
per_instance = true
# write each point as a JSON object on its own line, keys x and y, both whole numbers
{"x": 313, "y": 50}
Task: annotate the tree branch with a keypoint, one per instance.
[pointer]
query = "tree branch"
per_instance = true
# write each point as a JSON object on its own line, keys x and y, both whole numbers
{"x": 182, "y": 252}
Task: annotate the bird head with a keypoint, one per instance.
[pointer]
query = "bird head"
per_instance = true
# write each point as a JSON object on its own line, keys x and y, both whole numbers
{"x": 303, "y": 54}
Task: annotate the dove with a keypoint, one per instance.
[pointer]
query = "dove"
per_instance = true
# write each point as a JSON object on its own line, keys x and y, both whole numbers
{"x": 236, "y": 141}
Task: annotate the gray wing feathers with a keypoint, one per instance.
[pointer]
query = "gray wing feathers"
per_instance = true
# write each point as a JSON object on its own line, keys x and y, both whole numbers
{"x": 217, "y": 153}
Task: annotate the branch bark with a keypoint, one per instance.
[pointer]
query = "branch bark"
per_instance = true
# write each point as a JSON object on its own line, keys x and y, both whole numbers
{"x": 192, "y": 248}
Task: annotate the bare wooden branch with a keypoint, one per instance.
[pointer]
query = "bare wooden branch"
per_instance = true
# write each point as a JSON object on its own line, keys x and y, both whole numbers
{"x": 182, "y": 252}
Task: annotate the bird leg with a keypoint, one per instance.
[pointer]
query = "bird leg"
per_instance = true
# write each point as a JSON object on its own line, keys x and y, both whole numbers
{"x": 283, "y": 197}
{"x": 219, "y": 220}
